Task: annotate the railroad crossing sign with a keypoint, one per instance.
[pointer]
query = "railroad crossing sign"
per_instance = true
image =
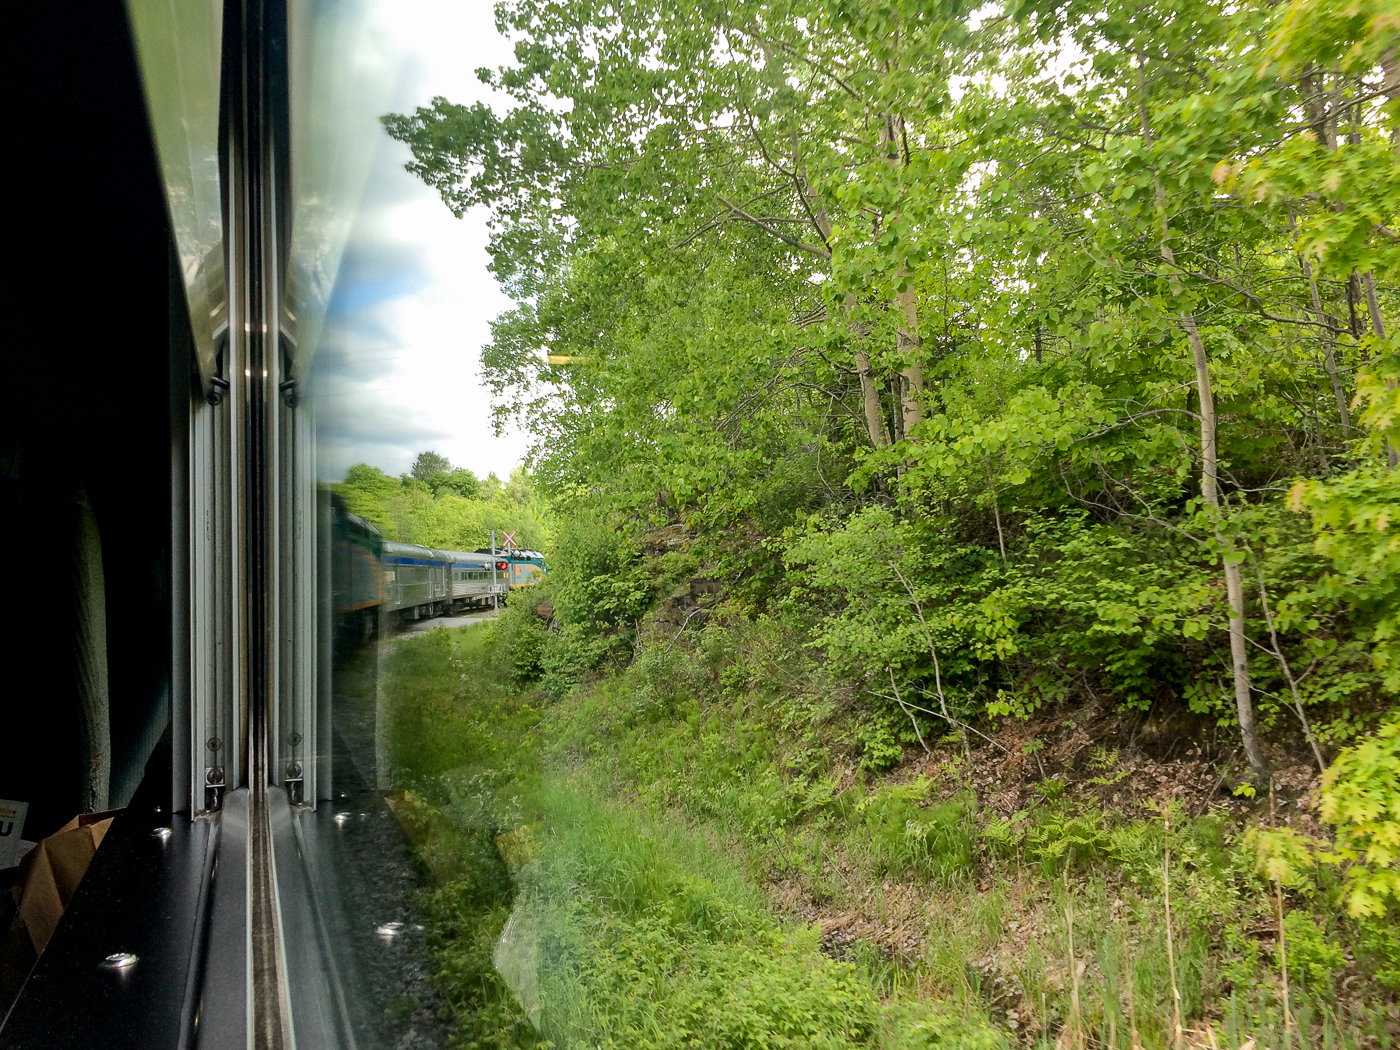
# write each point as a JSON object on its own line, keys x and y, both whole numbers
{"x": 508, "y": 538}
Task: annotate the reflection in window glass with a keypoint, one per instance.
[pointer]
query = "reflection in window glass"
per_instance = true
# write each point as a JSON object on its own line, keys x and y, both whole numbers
{"x": 373, "y": 322}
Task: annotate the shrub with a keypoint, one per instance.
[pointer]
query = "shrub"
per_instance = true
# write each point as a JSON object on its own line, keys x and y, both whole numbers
{"x": 1361, "y": 796}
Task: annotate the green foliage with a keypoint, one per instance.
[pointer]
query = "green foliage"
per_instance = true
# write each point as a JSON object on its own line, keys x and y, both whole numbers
{"x": 900, "y": 326}
{"x": 454, "y": 727}
{"x": 1281, "y": 855}
{"x": 1361, "y": 796}
{"x": 904, "y": 832}
{"x": 460, "y": 481}
{"x": 664, "y": 803}
{"x": 446, "y": 508}
{"x": 429, "y": 464}
{"x": 1377, "y": 946}
{"x": 1313, "y": 957}
{"x": 645, "y": 935}
{"x": 917, "y": 328}
{"x": 646, "y": 950}
{"x": 523, "y": 636}
{"x": 1355, "y": 517}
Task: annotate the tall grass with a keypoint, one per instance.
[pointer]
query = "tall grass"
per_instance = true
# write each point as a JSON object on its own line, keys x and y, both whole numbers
{"x": 644, "y": 930}
{"x": 657, "y": 809}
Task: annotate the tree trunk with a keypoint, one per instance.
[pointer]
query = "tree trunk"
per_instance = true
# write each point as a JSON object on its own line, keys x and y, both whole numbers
{"x": 1353, "y": 288}
{"x": 1329, "y": 355}
{"x": 1234, "y": 588}
{"x": 869, "y": 392}
{"x": 1368, "y": 281}
{"x": 1390, "y": 66}
{"x": 1313, "y": 103}
{"x": 870, "y": 396}
{"x": 913, "y": 372}
{"x": 1323, "y": 121}
{"x": 1210, "y": 488}
{"x": 907, "y": 340}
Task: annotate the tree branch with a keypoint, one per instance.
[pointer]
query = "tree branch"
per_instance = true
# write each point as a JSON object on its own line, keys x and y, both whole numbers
{"x": 820, "y": 253}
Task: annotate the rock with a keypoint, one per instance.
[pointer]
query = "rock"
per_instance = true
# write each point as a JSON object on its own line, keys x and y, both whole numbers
{"x": 545, "y": 611}
{"x": 671, "y": 538}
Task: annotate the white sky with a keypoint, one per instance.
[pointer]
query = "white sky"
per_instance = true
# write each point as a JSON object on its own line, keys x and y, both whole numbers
{"x": 399, "y": 367}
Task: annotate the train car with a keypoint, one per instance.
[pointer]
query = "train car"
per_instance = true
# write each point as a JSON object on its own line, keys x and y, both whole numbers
{"x": 415, "y": 581}
{"x": 357, "y": 575}
{"x": 475, "y": 580}
{"x": 525, "y": 568}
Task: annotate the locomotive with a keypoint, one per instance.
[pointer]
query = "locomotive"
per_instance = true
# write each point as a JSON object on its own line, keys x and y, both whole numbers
{"x": 372, "y": 577}
{"x": 525, "y": 568}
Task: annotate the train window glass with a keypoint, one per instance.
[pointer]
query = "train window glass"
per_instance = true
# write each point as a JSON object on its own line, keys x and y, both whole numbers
{"x": 179, "y": 48}
{"x": 343, "y": 62}
{"x": 306, "y": 561}
{"x": 347, "y": 755}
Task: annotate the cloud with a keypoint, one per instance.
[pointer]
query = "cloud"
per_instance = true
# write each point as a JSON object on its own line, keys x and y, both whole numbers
{"x": 398, "y": 368}
{"x": 354, "y": 421}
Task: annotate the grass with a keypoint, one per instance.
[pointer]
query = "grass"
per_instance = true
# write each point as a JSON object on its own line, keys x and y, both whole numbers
{"x": 684, "y": 861}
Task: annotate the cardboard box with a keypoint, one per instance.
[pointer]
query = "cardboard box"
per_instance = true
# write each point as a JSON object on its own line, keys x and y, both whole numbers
{"x": 52, "y": 871}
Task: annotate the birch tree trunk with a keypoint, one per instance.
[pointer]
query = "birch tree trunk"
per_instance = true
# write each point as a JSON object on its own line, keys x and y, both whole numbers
{"x": 870, "y": 397}
{"x": 1210, "y": 494}
{"x": 1210, "y": 487}
{"x": 908, "y": 347}
{"x": 1390, "y": 66}
{"x": 907, "y": 340}
{"x": 1329, "y": 357}
{"x": 1329, "y": 353}
{"x": 1373, "y": 304}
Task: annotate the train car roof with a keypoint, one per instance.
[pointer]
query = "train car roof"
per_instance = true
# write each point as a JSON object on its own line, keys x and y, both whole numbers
{"x": 362, "y": 523}
{"x": 343, "y": 511}
{"x": 411, "y": 550}
{"x": 466, "y": 557}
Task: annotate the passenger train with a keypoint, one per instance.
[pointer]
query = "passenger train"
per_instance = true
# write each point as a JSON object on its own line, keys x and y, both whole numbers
{"x": 373, "y": 577}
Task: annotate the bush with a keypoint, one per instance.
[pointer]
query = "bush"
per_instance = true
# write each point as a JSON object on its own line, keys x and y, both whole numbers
{"x": 1361, "y": 796}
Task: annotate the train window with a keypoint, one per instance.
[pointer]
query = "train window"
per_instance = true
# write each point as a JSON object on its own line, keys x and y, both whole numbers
{"x": 213, "y": 693}
{"x": 229, "y": 587}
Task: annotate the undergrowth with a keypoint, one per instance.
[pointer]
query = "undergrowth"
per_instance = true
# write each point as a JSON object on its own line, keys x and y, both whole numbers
{"x": 694, "y": 852}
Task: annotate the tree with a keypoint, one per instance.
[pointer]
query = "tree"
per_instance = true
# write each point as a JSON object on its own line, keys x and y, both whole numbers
{"x": 460, "y": 481}
{"x": 429, "y": 463}
{"x": 1075, "y": 292}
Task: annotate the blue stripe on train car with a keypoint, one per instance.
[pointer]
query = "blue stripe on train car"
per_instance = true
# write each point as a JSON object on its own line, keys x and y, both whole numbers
{"x": 391, "y": 560}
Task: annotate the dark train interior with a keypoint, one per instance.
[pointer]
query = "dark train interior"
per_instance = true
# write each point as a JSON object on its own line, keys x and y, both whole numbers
{"x": 181, "y": 872}
{"x": 85, "y": 431}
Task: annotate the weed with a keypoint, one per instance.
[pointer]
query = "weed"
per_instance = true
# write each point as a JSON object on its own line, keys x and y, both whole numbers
{"x": 903, "y": 832}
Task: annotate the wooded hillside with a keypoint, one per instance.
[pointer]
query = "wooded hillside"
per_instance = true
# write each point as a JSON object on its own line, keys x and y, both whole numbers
{"x": 449, "y": 509}
{"x": 1022, "y": 362}
{"x": 1053, "y": 339}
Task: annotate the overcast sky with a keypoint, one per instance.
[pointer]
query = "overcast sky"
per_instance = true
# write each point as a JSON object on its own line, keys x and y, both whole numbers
{"x": 398, "y": 370}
